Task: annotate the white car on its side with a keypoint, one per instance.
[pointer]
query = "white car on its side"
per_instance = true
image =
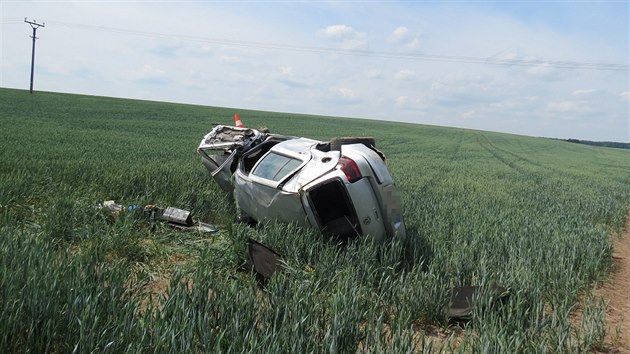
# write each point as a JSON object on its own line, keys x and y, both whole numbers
{"x": 341, "y": 187}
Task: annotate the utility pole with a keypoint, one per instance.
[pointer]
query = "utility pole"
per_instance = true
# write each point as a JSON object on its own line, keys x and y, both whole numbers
{"x": 35, "y": 26}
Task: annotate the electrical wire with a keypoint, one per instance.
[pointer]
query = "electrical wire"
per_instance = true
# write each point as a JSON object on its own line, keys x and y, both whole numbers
{"x": 11, "y": 21}
{"x": 561, "y": 64}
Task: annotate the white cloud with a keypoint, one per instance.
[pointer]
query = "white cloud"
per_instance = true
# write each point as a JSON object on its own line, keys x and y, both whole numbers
{"x": 625, "y": 95}
{"x": 565, "y": 107}
{"x": 374, "y": 74}
{"x": 583, "y": 93}
{"x": 403, "y": 37}
{"x": 405, "y": 75}
{"x": 506, "y": 54}
{"x": 231, "y": 59}
{"x": 338, "y": 32}
{"x": 399, "y": 34}
{"x": 346, "y": 36}
{"x": 344, "y": 94}
{"x": 402, "y": 99}
{"x": 546, "y": 71}
{"x": 151, "y": 74}
{"x": 150, "y": 70}
{"x": 287, "y": 76}
{"x": 413, "y": 43}
{"x": 469, "y": 114}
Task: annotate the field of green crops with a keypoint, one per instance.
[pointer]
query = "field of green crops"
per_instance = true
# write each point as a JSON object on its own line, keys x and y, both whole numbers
{"x": 530, "y": 214}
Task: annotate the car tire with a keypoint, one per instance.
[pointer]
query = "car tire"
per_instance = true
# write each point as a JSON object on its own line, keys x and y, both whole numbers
{"x": 336, "y": 143}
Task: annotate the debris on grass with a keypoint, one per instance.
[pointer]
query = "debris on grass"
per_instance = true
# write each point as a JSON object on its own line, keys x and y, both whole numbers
{"x": 463, "y": 298}
{"x": 179, "y": 219}
{"x": 263, "y": 259}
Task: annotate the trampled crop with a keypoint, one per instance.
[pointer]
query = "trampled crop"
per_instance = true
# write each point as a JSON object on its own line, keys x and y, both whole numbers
{"x": 530, "y": 214}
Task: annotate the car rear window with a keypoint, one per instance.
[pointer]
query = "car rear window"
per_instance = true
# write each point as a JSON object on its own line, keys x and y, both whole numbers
{"x": 275, "y": 167}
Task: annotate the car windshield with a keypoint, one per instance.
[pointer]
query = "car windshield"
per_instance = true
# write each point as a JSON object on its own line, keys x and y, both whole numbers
{"x": 275, "y": 167}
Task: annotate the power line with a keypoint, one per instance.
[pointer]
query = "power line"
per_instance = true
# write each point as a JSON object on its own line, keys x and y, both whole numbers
{"x": 562, "y": 64}
{"x": 35, "y": 26}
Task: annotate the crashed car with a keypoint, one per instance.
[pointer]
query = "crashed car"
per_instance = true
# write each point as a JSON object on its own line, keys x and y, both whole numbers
{"x": 341, "y": 187}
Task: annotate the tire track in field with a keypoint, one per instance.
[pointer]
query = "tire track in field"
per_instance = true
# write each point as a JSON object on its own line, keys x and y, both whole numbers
{"x": 494, "y": 151}
{"x": 460, "y": 138}
{"x": 449, "y": 158}
{"x": 515, "y": 155}
{"x": 572, "y": 174}
{"x": 541, "y": 177}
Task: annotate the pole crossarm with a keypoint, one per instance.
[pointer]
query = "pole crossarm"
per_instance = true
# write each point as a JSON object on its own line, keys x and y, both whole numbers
{"x": 34, "y": 23}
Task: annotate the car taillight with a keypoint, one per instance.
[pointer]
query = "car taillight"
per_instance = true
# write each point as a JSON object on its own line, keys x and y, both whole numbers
{"x": 349, "y": 168}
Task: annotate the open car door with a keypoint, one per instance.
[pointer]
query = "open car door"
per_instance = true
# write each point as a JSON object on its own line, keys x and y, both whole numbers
{"x": 221, "y": 148}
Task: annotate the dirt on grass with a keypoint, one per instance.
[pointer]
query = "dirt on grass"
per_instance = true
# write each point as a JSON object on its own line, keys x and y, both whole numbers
{"x": 616, "y": 291}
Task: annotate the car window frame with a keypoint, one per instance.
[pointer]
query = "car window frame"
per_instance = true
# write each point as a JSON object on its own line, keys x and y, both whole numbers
{"x": 271, "y": 183}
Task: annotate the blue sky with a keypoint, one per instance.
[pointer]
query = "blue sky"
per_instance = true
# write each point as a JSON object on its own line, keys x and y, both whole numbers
{"x": 426, "y": 62}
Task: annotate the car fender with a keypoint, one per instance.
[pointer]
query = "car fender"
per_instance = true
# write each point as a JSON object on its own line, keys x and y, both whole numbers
{"x": 371, "y": 158}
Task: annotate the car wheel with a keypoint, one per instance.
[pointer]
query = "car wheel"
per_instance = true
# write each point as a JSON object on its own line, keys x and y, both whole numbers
{"x": 336, "y": 143}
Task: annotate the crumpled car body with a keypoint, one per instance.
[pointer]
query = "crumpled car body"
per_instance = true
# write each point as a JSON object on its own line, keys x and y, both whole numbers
{"x": 341, "y": 187}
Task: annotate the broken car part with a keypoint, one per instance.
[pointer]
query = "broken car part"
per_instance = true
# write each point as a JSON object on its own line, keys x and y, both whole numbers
{"x": 263, "y": 259}
{"x": 463, "y": 298}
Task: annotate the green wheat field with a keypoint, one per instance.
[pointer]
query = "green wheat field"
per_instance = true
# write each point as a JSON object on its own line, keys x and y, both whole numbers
{"x": 533, "y": 215}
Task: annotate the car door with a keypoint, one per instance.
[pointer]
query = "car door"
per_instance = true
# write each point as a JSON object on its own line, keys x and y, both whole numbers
{"x": 259, "y": 192}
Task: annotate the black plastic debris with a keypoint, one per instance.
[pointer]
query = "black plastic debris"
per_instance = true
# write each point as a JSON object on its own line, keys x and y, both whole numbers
{"x": 264, "y": 260}
{"x": 463, "y": 297}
